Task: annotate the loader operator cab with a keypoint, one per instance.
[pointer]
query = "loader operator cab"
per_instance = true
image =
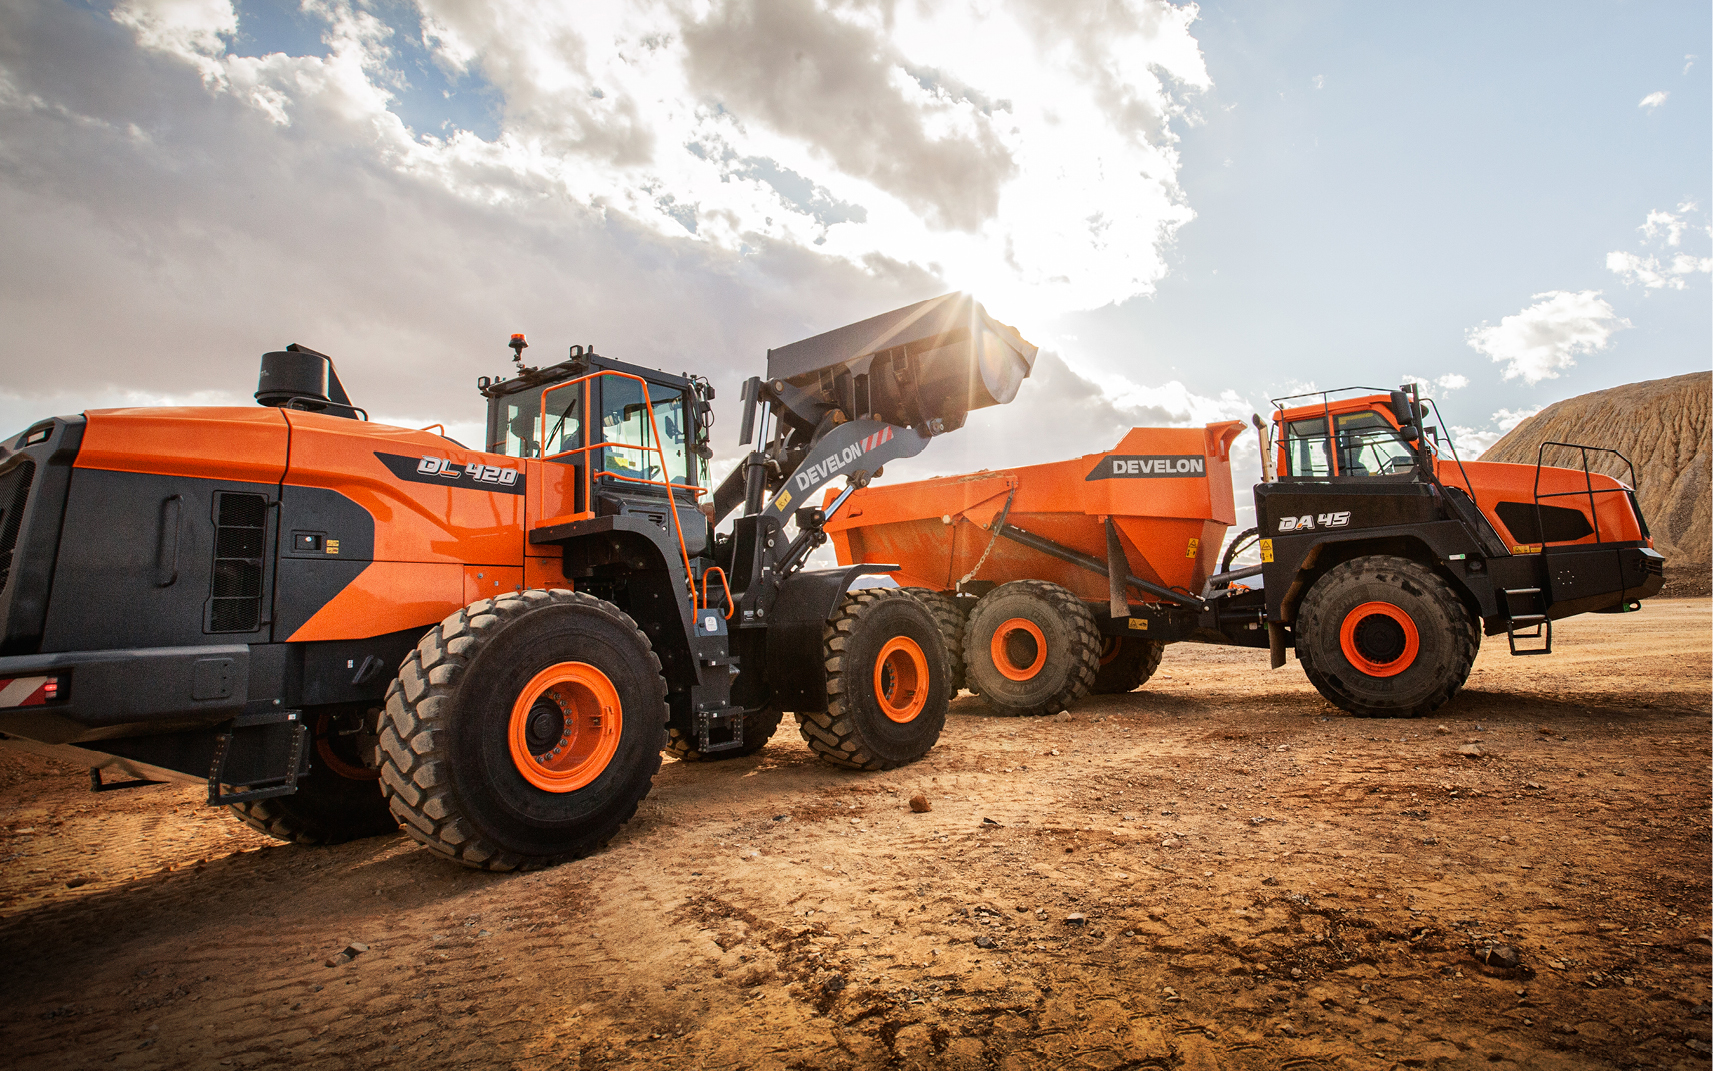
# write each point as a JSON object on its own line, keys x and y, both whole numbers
{"x": 628, "y": 431}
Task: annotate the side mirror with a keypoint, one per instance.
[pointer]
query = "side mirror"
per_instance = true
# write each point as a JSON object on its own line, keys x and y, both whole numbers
{"x": 1401, "y": 410}
{"x": 1411, "y": 434}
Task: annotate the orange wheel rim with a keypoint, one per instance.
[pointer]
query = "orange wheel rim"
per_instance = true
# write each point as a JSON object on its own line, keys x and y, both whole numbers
{"x": 901, "y": 679}
{"x": 1379, "y": 639}
{"x": 1010, "y": 649}
{"x": 565, "y": 727}
{"x": 324, "y": 748}
{"x": 1113, "y": 645}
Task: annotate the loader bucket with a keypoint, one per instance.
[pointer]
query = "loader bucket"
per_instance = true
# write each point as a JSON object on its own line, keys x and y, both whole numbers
{"x": 934, "y": 360}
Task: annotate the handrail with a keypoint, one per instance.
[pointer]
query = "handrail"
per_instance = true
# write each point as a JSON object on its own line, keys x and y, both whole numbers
{"x": 672, "y": 525}
{"x": 1588, "y": 485}
{"x": 723, "y": 584}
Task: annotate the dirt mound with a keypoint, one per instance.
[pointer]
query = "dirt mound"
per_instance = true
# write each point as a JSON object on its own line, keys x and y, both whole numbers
{"x": 1661, "y": 425}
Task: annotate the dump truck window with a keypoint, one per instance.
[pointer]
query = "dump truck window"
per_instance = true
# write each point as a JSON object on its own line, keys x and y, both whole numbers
{"x": 1368, "y": 445}
{"x": 624, "y": 419}
{"x": 1306, "y": 448}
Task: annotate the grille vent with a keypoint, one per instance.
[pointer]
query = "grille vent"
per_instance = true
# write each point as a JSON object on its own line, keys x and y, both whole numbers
{"x": 14, "y": 494}
{"x": 240, "y": 531}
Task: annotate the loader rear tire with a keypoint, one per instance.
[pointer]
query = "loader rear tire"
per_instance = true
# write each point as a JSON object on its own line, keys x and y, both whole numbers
{"x": 1127, "y": 665}
{"x": 886, "y": 683}
{"x": 1385, "y": 637}
{"x": 524, "y": 730}
{"x": 1031, "y": 648}
{"x": 758, "y": 728}
{"x": 950, "y": 617}
{"x": 339, "y": 799}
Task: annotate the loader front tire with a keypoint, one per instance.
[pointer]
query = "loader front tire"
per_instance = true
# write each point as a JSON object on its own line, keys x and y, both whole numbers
{"x": 758, "y": 728}
{"x": 886, "y": 683}
{"x": 1384, "y": 637}
{"x": 1127, "y": 665}
{"x": 523, "y": 730}
{"x": 1031, "y": 648}
{"x": 950, "y": 617}
{"x": 339, "y": 799}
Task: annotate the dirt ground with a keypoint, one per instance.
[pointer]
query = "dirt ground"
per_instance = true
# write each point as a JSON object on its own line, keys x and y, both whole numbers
{"x": 1220, "y": 870}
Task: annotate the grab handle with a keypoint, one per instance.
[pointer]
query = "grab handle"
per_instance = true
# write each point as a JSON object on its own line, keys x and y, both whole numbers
{"x": 168, "y": 565}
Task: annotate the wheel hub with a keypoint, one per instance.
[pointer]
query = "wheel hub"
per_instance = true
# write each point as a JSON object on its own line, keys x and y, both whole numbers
{"x": 1379, "y": 639}
{"x": 565, "y": 727}
{"x": 1018, "y": 649}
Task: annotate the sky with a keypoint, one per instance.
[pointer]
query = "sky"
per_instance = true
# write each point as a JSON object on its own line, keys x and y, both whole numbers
{"x": 1190, "y": 208}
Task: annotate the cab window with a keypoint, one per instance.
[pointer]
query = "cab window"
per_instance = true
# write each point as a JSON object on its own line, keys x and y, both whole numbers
{"x": 1368, "y": 445}
{"x": 520, "y": 426}
{"x": 625, "y": 424}
{"x": 1305, "y": 445}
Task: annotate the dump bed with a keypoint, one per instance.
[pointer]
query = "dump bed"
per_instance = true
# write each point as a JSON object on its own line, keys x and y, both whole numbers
{"x": 1167, "y": 490}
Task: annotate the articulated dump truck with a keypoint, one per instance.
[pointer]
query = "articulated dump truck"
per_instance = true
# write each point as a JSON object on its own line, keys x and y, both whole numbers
{"x": 339, "y": 627}
{"x": 1384, "y": 558}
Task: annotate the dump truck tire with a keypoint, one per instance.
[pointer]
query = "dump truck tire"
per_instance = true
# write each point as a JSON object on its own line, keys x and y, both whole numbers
{"x": 524, "y": 730}
{"x": 950, "y": 617}
{"x": 1127, "y": 666}
{"x": 886, "y": 683}
{"x": 758, "y": 728}
{"x": 339, "y": 799}
{"x": 1031, "y": 648}
{"x": 1385, "y": 637}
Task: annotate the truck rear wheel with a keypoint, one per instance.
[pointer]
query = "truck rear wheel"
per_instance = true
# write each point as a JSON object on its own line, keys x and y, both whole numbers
{"x": 886, "y": 683}
{"x": 758, "y": 728}
{"x": 1127, "y": 664}
{"x": 524, "y": 730}
{"x": 339, "y": 799}
{"x": 1385, "y": 637}
{"x": 950, "y": 617}
{"x": 1031, "y": 647}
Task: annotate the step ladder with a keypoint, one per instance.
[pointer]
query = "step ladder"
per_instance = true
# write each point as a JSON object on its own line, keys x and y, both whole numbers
{"x": 1534, "y": 619}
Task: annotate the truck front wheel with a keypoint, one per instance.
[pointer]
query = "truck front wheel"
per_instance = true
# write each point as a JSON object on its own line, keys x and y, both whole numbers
{"x": 1385, "y": 637}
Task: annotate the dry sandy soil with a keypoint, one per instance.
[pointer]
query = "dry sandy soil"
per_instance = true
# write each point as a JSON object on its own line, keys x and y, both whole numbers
{"x": 1220, "y": 870}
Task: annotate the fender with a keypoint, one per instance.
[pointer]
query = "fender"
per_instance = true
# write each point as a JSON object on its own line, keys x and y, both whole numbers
{"x": 807, "y": 601}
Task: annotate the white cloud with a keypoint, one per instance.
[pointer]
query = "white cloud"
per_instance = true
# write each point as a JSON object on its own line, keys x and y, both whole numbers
{"x": 1653, "y": 100}
{"x": 1477, "y": 441}
{"x": 1547, "y": 336}
{"x": 1320, "y": 81}
{"x": 1662, "y": 270}
{"x": 1449, "y": 382}
{"x": 862, "y": 132}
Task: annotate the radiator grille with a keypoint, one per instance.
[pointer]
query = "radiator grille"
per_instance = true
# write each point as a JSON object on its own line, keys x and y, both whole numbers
{"x": 240, "y": 531}
{"x": 14, "y": 494}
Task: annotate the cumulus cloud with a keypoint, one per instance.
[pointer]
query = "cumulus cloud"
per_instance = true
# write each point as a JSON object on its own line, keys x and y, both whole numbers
{"x": 1653, "y": 100}
{"x": 1477, "y": 441}
{"x": 173, "y": 206}
{"x": 1545, "y": 338}
{"x": 1449, "y": 382}
{"x": 1018, "y": 148}
{"x": 1667, "y": 265}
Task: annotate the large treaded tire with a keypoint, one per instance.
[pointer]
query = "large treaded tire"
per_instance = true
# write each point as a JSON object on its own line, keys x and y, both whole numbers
{"x": 446, "y": 762}
{"x": 758, "y": 728}
{"x": 1071, "y": 660}
{"x": 854, "y": 731}
{"x": 1428, "y": 671}
{"x": 336, "y": 801}
{"x": 950, "y": 617}
{"x": 1129, "y": 666}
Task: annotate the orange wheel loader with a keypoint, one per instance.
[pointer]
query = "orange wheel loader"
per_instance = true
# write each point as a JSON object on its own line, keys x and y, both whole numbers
{"x": 339, "y": 626}
{"x": 1384, "y": 557}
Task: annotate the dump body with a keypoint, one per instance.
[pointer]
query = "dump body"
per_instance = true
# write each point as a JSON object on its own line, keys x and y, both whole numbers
{"x": 1167, "y": 491}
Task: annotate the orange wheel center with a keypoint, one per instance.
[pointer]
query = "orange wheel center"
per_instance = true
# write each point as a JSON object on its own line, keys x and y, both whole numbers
{"x": 1109, "y": 652}
{"x": 1379, "y": 639}
{"x": 1018, "y": 648}
{"x": 565, "y": 727}
{"x": 901, "y": 679}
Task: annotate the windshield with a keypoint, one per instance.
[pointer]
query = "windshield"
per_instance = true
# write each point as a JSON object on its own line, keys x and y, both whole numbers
{"x": 1368, "y": 445}
{"x": 519, "y": 427}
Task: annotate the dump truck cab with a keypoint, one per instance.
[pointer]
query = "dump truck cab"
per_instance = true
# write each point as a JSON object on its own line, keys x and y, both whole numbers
{"x": 1386, "y": 557}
